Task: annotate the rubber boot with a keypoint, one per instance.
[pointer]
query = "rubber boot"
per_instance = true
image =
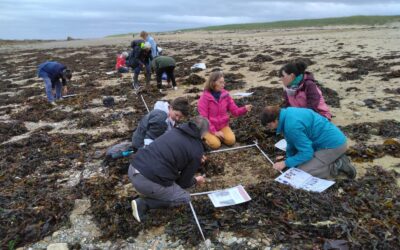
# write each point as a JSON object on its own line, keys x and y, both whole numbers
{"x": 135, "y": 81}
{"x": 148, "y": 77}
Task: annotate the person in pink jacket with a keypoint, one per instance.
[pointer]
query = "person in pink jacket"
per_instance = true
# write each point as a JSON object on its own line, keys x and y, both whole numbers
{"x": 214, "y": 104}
{"x": 301, "y": 89}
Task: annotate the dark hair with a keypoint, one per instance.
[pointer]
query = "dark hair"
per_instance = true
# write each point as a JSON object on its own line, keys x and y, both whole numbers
{"x": 296, "y": 68}
{"x": 181, "y": 104}
{"x": 270, "y": 114}
{"x": 202, "y": 124}
{"x": 67, "y": 74}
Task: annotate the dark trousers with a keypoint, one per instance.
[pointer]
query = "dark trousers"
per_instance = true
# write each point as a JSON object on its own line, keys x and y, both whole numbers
{"x": 170, "y": 75}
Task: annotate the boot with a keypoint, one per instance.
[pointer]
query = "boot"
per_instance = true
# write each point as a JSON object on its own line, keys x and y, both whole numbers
{"x": 343, "y": 164}
{"x": 135, "y": 84}
{"x": 148, "y": 77}
{"x": 139, "y": 208}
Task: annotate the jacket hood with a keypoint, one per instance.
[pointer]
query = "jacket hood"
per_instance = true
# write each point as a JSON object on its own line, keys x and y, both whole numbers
{"x": 190, "y": 129}
{"x": 308, "y": 76}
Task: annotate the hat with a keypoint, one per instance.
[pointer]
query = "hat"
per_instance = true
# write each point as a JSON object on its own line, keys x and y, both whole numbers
{"x": 125, "y": 54}
{"x": 147, "y": 45}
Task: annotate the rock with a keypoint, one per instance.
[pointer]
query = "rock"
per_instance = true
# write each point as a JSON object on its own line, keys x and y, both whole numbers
{"x": 58, "y": 246}
{"x": 357, "y": 114}
{"x": 82, "y": 144}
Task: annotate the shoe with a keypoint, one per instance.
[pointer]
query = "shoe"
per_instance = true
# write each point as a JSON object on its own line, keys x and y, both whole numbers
{"x": 175, "y": 88}
{"x": 139, "y": 208}
{"x": 160, "y": 90}
{"x": 135, "y": 85}
{"x": 344, "y": 165}
{"x": 53, "y": 104}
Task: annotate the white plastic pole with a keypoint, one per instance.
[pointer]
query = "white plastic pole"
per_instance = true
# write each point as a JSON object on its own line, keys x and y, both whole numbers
{"x": 266, "y": 156}
{"x": 197, "y": 221}
{"x": 229, "y": 149}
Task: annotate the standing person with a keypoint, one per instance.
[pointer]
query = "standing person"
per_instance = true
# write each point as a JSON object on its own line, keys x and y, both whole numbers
{"x": 314, "y": 144}
{"x": 161, "y": 119}
{"x": 161, "y": 65}
{"x": 139, "y": 59}
{"x": 52, "y": 73}
{"x": 120, "y": 66}
{"x": 162, "y": 171}
{"x": 301, "y": 89}
{"x": 146, "y": 37}
{"x": 214, "y": 104}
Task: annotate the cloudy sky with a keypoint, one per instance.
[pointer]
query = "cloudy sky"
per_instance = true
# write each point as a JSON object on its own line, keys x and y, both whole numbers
{"x": 57, "y": 19}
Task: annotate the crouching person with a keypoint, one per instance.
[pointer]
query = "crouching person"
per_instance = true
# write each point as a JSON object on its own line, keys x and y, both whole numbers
{"x": 52, "y": 73}
{"x": 162, "y": 171}
{"x": 160, "y": 120}
{"x": 314, "y": 144}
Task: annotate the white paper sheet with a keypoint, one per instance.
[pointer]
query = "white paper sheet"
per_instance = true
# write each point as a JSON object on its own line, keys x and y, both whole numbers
{"x": 229, "y": 197}
{"x": 297, "y": 178}
{"x": 282, "y": 144}
{"x": 198, "y": 66}
{"x": 244, "y": 94}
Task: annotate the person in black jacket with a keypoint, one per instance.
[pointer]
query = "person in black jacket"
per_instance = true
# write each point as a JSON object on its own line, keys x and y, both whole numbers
{"x": 160, "y": 120}
{"x": 161, "y": 171}
{"x": 139, "y": 59}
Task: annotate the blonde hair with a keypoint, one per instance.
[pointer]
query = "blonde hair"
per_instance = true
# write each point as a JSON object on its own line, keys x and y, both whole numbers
{"x": 212, "y": 79}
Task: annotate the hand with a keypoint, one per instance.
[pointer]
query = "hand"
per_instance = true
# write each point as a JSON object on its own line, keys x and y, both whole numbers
{"x": 248, "y": 107}
{"x": 279, "y": 158}
{"x": 200, "y": 180}
{"x": 203, "y": 159}
{"x": 280, "y": 165}
{"x": 65, "y": 90}
{"x": 219, "y": 134}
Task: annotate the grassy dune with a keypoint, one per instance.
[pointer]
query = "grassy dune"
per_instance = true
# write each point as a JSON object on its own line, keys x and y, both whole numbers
{"x": 352, "y": 20}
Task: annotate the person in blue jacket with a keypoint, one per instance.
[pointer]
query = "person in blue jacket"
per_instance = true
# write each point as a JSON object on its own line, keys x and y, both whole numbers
{"x": 55, "y": 76}
{"x": 146, "y": 37}
{"x": 314, "y": 144}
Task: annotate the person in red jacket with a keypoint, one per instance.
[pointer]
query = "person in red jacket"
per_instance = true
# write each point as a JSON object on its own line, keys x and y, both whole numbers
{"x": 120, "y": 66}
{"x": 214, "y": 104}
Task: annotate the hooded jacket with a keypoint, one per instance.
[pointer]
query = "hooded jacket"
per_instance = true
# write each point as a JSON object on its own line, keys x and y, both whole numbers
{"x": 308, "y": 95}
{"x": 173, "y": 157}
{"x": 217, "y": 111}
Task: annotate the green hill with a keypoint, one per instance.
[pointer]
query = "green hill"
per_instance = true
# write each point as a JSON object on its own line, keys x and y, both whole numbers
{"x": 352, "y": 20}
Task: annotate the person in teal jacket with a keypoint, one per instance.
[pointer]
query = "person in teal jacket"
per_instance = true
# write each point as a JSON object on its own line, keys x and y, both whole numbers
{"x": 314, "y": 144}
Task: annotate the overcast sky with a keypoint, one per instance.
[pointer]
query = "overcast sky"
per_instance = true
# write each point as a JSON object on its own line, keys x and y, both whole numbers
{"x": 57, "y": 19}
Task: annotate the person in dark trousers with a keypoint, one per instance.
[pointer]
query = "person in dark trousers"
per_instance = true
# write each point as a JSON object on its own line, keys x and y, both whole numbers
{"x": 164, "y": 64}
{"x": 139, "y": 59}
{"x": 314, "y": 144}
{"x": 55, "y": 76}
{"x": 162, "y": 171}
{"x": 161, "y": 119}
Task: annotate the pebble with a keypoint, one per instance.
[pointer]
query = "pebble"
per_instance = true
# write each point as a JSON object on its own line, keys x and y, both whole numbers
{"x": 357, "y": 114}
{"x": 58, "y": 246}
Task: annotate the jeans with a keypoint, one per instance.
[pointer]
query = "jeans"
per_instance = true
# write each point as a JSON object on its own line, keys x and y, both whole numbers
{"x": 49, "y": 85}
{"x": 138, "y": 69}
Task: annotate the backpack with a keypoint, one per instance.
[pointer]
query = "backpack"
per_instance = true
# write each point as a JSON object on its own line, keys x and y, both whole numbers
{"x": 136, "y": 42}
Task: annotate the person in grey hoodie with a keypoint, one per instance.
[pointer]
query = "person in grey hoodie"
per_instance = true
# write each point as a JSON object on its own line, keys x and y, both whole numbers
{"x": 161, "y": 119}
{"x": 162, "y": 171}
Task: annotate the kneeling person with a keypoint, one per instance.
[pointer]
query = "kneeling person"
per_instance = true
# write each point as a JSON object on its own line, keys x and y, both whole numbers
{"x": 158, "y": 121}
{"x": 314, "y": 144}
{"x": 161, "y": 171}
